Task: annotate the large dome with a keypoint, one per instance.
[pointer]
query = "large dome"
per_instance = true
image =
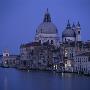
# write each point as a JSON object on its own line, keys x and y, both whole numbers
{"x": 47, "y": 28}
{"x": 68, "y": 33}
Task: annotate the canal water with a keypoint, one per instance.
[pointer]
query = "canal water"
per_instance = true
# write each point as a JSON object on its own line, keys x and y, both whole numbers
{"x": 13, "y": 79}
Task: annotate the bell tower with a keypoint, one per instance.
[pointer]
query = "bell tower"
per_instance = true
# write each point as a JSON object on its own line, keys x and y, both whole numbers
{"x": 78, "y": 31}
{"x": 6, "y": 53}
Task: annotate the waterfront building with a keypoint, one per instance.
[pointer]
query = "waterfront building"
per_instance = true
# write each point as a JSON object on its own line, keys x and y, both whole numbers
{"x": 71, "y": 49}
{"x": 35, "y": 55}
{"x": 44, "y": 52}
{"x": 68, "y": 53}
{"x": 71, "y": 44}
{"x": 82, "y": 63}
{"x": 47, "y": 52}
{"x": 29, "y": 55}
{"x": 10, "y": 60}
{"x": 1, "y": 59}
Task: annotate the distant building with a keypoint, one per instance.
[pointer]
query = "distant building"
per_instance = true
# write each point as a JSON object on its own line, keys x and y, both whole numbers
{"x": 82, "y": 63}
{"x": 44, "y": 52}
{"x": 10, "y": 60}
{"x": 1, "y": 56}
{"x": 35, "y": 55}
{"x": 71, "y": 33}
{"x": 29, "y": 55}
{"x": 47, "y": 31}
{"x": 47, "y": 52}
{"x": 55, "y": 54}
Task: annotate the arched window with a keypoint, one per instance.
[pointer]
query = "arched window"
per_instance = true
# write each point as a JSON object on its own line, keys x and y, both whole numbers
{"x": 65, "y": 39}
{"x": 24, "y": 62}
{"x": 51, "y": 41}
{"x": 41, "y": 30}
{"x": 72, "y": 54}
{"x": 39, "y": 41}
{"x": 48, "y": 41}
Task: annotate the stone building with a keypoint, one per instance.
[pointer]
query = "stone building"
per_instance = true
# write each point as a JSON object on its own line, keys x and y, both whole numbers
{"x": 1, "y": 56}
{"x": 10, "y": 60}
{"x": 71, "y": 44}
{"x": 71, "y": 33}
{"x": 82, "y": 63}
{"x": 47, "y": 31}
{"x": 29, "y": 55}
{"x": 35, "y": 55}
{"x": 47, "y": 52}
{"x": 44, "y": 52}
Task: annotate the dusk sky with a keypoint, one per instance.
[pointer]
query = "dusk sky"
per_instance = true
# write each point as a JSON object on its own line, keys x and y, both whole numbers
{"x": 20, "y": 18}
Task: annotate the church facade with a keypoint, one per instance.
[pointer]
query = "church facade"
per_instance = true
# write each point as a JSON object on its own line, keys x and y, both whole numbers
{"x": 71, "y": 33}
{"x": 47, "y": 52}
{"x": 47, "y": 31}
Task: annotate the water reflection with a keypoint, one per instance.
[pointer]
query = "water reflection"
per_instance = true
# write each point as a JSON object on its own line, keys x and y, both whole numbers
{"x": 12, "y": 79}
{"x": 5, "y": 83}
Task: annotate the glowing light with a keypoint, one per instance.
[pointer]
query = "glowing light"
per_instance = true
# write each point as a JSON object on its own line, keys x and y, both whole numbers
{"x": 5, "y": 62}
{"x": 54, "y": 66}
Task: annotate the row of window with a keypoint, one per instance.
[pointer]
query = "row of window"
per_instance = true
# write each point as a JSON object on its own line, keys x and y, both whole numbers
{"x": 81, "y": 69}
{"x": 48, "y": 41}
{"x": 81, "y": 60}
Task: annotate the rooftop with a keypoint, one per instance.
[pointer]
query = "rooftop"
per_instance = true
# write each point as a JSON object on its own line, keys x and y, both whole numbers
{"x": 84, "y": 54}
{"x": 30, "y": 44}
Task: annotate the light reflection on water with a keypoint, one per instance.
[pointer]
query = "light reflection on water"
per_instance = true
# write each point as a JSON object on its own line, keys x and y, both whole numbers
{"x": 5, "y": 83}
{"x": 12, "y": 79}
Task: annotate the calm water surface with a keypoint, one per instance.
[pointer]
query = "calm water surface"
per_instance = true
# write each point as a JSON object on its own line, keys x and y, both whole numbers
{"x": 12, "y": 79}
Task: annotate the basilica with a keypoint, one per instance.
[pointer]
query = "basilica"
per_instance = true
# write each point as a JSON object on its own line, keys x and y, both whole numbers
{"x": 47, "y": 52}
{"x": 48, "y": 32}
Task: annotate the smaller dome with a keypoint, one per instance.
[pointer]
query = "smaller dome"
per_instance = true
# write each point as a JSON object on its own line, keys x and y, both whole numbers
{"x": 68, "y": 33}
